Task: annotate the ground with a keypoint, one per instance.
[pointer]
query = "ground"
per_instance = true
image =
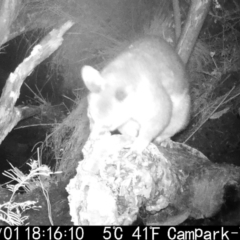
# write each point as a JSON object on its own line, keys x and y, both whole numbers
{"x": 219, "y": 139}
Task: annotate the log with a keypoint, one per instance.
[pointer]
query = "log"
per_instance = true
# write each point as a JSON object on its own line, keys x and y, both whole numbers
{"x": 171, "y": 182}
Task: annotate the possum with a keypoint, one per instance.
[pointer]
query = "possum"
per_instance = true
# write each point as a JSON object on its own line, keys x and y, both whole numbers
{"x": 142, "y": 93}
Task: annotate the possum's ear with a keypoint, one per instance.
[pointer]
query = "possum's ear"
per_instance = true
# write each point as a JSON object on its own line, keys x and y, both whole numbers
{"x": 92, "y": 79}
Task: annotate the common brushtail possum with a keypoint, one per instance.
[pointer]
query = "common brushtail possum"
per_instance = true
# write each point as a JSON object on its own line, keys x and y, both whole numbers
{"x": 143, "y": 92}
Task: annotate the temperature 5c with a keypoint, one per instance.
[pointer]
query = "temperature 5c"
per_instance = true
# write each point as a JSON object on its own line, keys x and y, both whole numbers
{"x": 113, "y": 233}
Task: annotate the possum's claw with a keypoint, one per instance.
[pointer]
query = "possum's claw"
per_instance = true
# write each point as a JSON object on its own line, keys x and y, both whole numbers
{"x": 167, "y": 142}
{"x": 136, "y": 148}
{"x": 131, "y": 153}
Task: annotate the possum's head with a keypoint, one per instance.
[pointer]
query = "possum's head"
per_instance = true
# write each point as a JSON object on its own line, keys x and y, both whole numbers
{"x": 107, "y": 108}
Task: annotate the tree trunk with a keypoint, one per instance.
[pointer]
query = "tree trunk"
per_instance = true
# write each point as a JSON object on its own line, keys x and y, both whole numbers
{"x": 196, "y": 16}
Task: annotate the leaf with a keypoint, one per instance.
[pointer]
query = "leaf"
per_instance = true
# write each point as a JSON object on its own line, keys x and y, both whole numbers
{"x": 218, "y": 114}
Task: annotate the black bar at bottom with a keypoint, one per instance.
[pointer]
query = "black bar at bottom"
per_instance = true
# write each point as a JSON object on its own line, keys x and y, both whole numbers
{"x": 119, "y": 232}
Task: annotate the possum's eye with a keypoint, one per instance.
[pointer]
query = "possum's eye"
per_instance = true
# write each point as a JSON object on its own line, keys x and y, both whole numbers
{"x": 120, "y": 94}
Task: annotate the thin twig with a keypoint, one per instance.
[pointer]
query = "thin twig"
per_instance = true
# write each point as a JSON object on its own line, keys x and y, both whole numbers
{"x": 37, "y": 125}
{"x": 209, "y": 115}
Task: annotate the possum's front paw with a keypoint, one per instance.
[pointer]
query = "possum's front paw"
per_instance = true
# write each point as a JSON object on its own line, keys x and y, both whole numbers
{"x": 136, "y": 148}
{"x": 131, "y": 154}
{"x": 167, "y": 143}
